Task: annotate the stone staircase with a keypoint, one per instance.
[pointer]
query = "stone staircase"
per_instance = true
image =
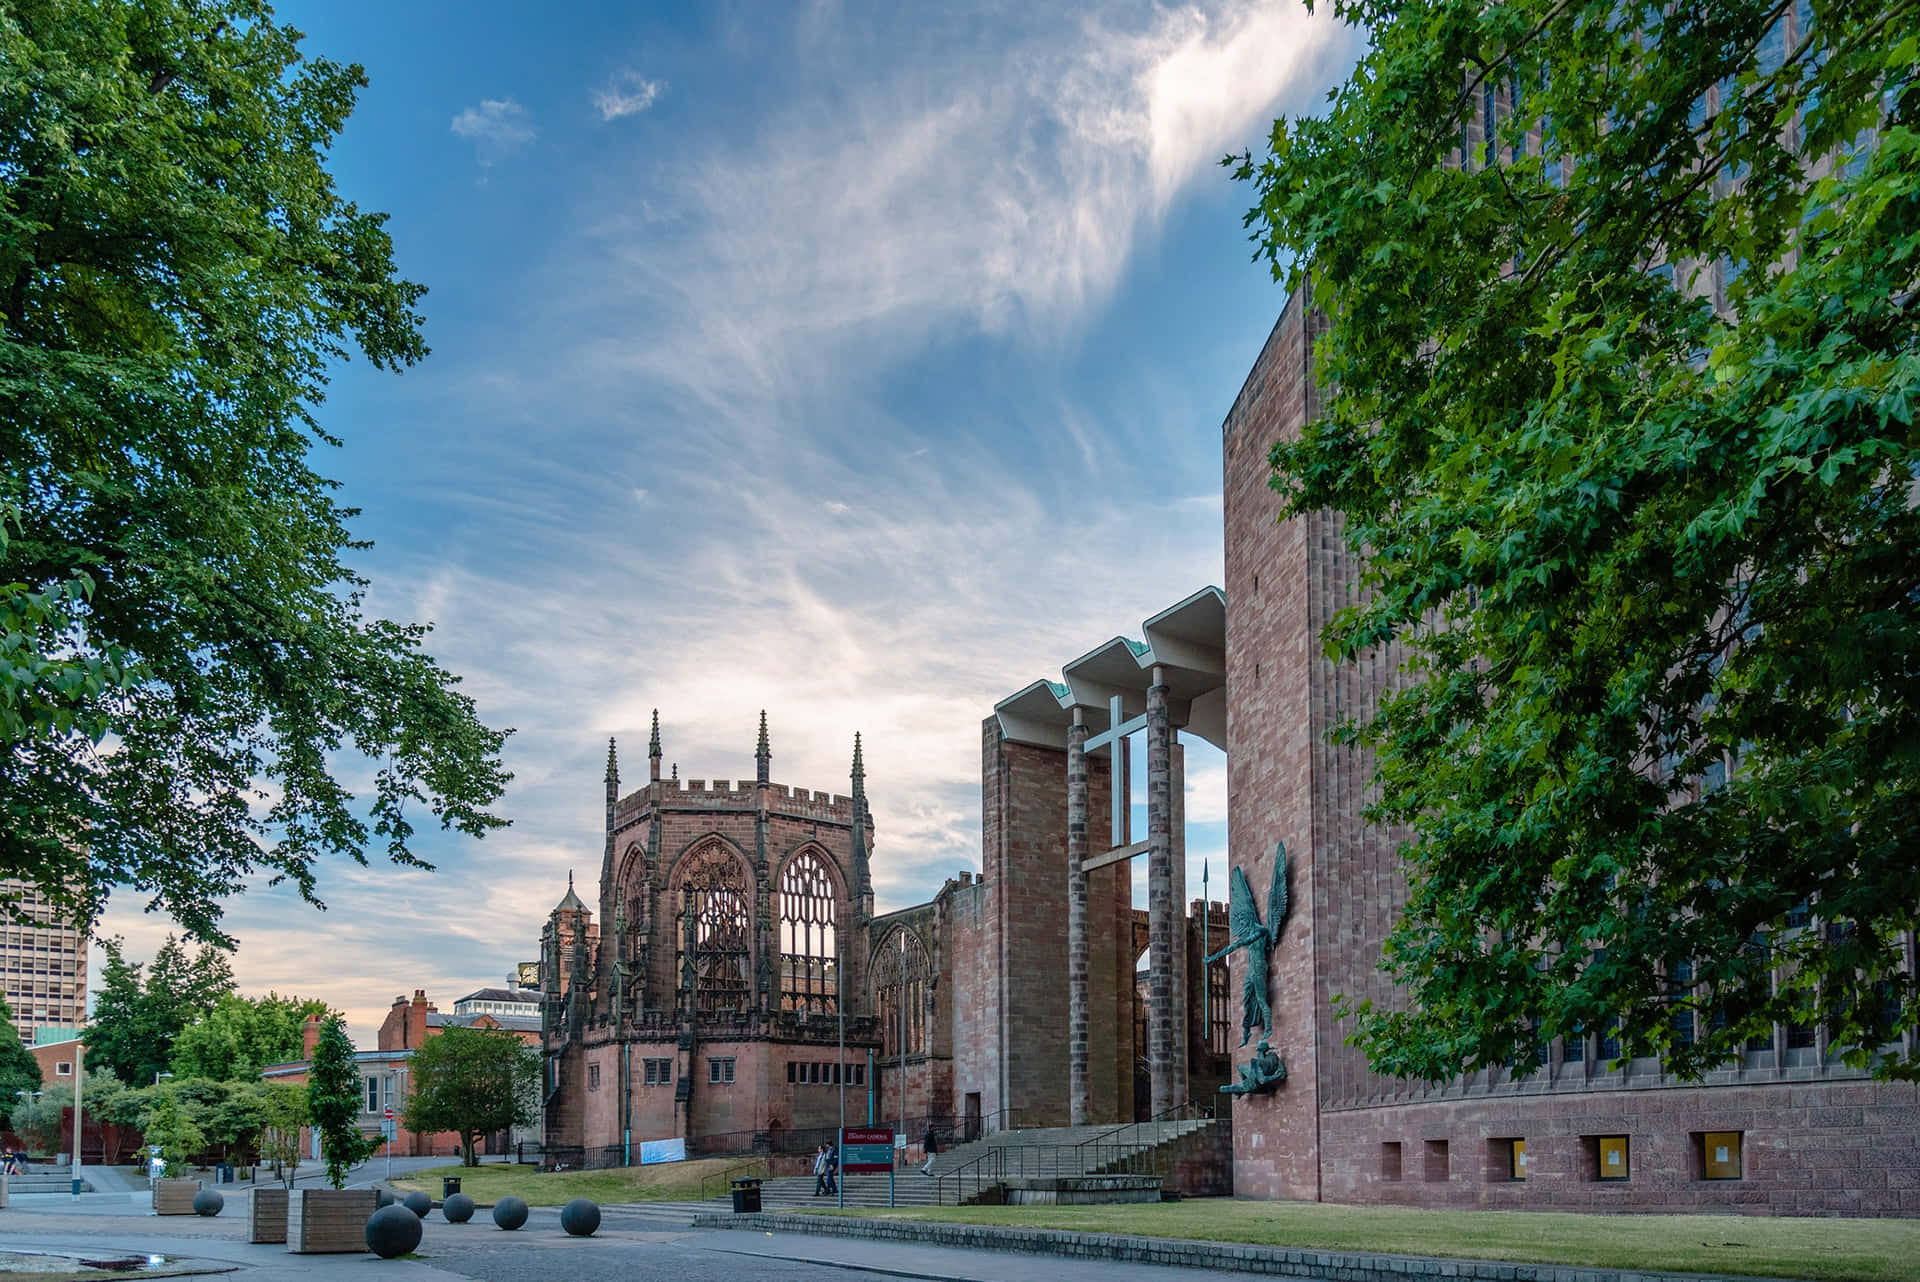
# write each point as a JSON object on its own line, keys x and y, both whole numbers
{"x": 46, "y": 1179}
{"x": 1035, "y": 1153}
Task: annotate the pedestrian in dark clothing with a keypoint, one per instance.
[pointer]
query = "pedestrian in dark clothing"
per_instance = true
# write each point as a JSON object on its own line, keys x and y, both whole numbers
{"x": 820, "y": 1188}
{"x": 932, "y": 1145}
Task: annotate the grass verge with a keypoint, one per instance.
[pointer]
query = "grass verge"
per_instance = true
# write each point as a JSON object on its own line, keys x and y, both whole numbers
{"x": 1828, "y": 1250}
{"x": 665, "y": 1182}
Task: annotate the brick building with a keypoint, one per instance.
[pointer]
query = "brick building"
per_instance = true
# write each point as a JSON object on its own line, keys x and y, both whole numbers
{"x": 385, "y": 1073}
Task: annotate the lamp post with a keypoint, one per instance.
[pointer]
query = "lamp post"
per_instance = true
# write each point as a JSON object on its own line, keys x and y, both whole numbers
{"x": 79, "y": 1125}
{"x": 840, "y": 1075}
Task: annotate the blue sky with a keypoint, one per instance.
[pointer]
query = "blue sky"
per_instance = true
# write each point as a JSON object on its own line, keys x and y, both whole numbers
{"x": 861, "y": 363}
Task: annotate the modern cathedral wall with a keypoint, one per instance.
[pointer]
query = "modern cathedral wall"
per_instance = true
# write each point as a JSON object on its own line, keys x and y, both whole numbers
{"x": 1810, "y": 1136}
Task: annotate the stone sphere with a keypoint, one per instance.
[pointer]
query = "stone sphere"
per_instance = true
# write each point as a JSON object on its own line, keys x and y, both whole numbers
{"x": 207, "y": 1202}
{"x": 458, "y": 1208}
{"x": 509, "y": 1212}
{"x": 580, "y": 1217}
{"x": 391, "y": 1231}
{"x": 417, "y": 1202}
{"x": 385, "y": 1197}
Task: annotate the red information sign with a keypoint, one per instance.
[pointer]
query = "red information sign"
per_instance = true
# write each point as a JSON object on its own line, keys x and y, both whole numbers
{"x": 864, "y": 1150}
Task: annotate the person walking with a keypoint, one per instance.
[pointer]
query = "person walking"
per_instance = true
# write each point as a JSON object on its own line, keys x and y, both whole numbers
{"x": 932, "y": 1145}
{"x": 833, "y": 1169}
{"x": 820, "y": 1171}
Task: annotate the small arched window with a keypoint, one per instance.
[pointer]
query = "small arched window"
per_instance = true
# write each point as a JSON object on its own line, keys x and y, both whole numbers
{"x": 809, "y": 942}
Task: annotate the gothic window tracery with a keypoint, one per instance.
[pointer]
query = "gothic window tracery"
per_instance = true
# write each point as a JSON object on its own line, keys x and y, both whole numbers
{"x": 713, "y": 897}
{"x": 809, "y": 958}
{"x": 902, "y": 972}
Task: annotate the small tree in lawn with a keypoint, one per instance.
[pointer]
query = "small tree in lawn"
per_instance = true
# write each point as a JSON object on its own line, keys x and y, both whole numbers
{"x": 333, "y": 1103}
{"x": 472, "y": 1081}
{"x": 284, "y": 1108}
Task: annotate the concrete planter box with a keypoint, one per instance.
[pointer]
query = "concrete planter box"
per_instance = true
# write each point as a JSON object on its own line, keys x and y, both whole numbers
{"x": 267, "y": 1215}
{"x": 329, "y": 1221}
{"x": 174, "y": 1197}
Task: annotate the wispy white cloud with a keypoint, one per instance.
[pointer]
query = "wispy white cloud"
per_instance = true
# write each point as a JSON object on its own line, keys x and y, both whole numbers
{"x": 628, "y": 93}
{"x": 496, "y": 128}
{"x": 683, "y": 482}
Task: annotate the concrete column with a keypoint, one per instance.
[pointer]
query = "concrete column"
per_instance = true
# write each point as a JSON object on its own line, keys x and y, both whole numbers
{"x": 1163, "y": 1017}
{"x": 1182, "y": 992}
{"x": 1079, "y": 1095}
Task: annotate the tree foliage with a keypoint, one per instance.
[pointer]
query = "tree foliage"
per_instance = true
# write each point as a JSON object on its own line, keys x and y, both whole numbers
{"x": 1624, "y": 436}
{"x": 473, "y": 1082}
{"x": 283, "y": 1110}
{"x": 333, "y": 1103}
{"x": 183, "y": 652}
{"x": 142, "y": 1008}
{"x": 19, "y": 1070}
{"x": 242, "y": 1035}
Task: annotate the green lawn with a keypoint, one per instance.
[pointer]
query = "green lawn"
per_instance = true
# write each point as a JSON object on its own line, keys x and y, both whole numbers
{"x": 665, "y": 1182}
{"x": 1831, "y": 1250}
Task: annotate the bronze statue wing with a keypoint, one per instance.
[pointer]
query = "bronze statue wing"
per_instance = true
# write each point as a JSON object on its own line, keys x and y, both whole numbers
{"x": 1277, "y": 898}
{"x": 1243, "y": 919}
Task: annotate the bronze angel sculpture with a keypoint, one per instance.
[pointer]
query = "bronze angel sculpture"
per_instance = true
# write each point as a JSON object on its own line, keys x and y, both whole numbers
{"x": 1243, "y": 922}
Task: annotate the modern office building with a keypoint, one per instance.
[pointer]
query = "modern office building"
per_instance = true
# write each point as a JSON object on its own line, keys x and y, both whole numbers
{"x": 43, "y": 963}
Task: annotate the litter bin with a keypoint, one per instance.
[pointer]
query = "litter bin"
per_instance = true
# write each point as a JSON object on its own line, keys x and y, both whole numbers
{"x": 746, "y": 1195}
{"x": 223, "y": 1173}
{"x": 449, "y": 1185}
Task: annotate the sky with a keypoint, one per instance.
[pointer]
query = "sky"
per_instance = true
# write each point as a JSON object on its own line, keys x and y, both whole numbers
{"x": 861, "y": 363}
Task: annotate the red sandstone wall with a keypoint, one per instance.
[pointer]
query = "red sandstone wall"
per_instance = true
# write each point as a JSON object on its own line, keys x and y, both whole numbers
{"x": 1272, "y": 724}
{"x": 1831, "y": 1148}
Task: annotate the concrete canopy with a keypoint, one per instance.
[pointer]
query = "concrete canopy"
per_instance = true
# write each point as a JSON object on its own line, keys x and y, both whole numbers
{"x": 1187, "y": 641}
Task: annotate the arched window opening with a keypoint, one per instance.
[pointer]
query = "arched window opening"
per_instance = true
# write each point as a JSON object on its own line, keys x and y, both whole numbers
{"x": 809, "y": 955}
{"x": 713, "y": 896}
{"x": 901, "y": 989}
{"x": 1218, "y": 1020}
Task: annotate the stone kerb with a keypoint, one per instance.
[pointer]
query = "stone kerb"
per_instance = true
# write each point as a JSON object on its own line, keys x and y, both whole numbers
{"x": 1277, "y": 1261}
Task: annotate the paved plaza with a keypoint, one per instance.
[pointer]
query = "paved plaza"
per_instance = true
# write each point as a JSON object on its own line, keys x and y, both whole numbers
{"x": 645, "y": 1240}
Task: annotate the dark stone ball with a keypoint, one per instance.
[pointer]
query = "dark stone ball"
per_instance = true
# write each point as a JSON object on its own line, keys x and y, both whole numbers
{"x": 391, "y": 1231}
{"x": 458, "y": 1208}
{"x": 509, "y": 1212}
{"x": 385, "y": 1197}
{"x": 207, "y": 1202}
{"x": 417, "y": 1202}
{"x": 580, "y": 1217}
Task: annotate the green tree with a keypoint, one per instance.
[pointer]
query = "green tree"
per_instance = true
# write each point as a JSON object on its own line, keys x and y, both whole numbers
{"x": 1624, "y": 438}
{"x": 19, "y": 1070}
{"x": 37, "y": 1118}
{"x": 283, "y": 1110}
{"x": 141, "y": 1009}
{"x": 172, "y": 1123}
{"x": 186, "y": 654}
{"x": 242, "y": 1035}
{"x": 333, "y": 1103}
{"x": 471, "y": 1081}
